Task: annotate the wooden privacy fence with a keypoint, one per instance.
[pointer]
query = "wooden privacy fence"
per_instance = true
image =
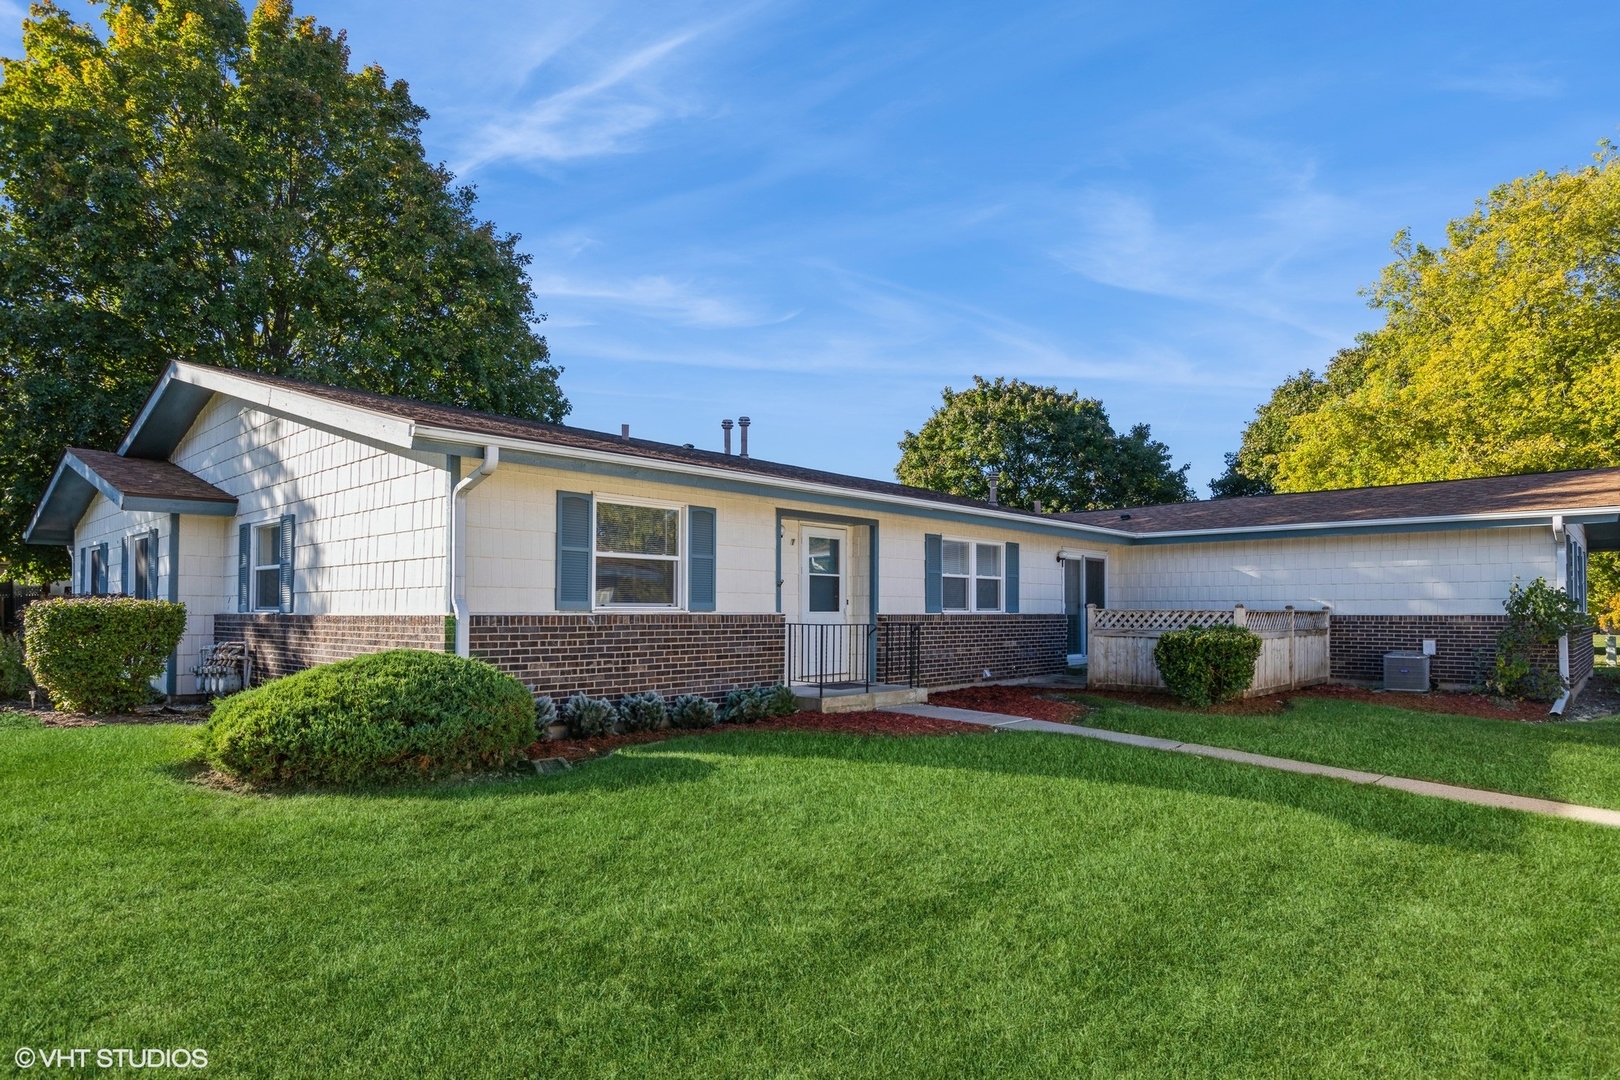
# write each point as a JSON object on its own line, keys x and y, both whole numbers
{"x": 1120, "y": 643}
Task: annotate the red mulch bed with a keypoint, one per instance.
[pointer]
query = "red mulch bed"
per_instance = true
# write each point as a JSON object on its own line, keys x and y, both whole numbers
{"x": 1012, "y": 701}
{"x": 851, "y": 723}
{"x": 1436, "y": 701}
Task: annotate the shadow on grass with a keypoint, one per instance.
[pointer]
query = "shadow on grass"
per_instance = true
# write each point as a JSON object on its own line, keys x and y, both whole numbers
{"x": 1409, "y": 818}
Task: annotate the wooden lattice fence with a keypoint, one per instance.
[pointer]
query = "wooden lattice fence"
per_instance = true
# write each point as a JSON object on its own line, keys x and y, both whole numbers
{"x": 1294, "y": 645}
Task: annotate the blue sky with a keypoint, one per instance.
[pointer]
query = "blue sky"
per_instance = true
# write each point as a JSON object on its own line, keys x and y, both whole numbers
{"x": 819, "y": 214}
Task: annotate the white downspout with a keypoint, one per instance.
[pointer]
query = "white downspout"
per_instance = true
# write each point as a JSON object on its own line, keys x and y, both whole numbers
{"x": 458, "y": 546}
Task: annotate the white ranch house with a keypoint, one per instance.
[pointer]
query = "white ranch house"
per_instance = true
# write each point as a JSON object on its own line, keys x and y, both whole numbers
{"x": 317, "y": 523}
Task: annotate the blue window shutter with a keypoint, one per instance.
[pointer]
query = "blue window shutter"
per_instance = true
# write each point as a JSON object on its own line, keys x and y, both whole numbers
{"x": 152, "y": 565}
{"x": 933, "y": 574}
{"x": 573, "y": 551}
{"x": 125, "y": 585}
{"x": 101, "y": 571}
{"x": 1012, "y": 579}
{"x": 84, "y": 571}
{"x": 700, "y": 559}
{"x": 244, "y": 554}
{"x": 286, "y": 564}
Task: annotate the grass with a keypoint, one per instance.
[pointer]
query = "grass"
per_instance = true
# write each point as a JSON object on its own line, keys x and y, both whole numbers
{"x": 785, "y": 904}
{"x": 1572, "y": 762}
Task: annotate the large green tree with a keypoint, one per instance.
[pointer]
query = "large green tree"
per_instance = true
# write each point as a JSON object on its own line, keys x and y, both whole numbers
{"x": 1053, "y": 447}
{"x": 197, "y": 183}
{"x": 1499, "y": 353}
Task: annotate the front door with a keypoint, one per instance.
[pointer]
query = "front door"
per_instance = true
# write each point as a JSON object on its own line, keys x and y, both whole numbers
{"x": 825, "y": 640}
{"x": 1083, "y": 584}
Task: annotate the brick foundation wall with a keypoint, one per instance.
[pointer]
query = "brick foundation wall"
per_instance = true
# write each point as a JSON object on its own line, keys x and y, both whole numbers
{"x": 956, "y": 649}
{"x": 1463, "y": 643}
{"x": 610, "y": 655}
{"x": 283, "y": 644}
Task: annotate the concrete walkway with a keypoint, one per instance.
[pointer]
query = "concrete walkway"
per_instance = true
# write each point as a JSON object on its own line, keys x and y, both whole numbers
{"x": 1594, "y": 815}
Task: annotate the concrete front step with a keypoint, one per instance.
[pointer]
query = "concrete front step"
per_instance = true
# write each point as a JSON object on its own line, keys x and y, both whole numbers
{"x": 836, "y": 701}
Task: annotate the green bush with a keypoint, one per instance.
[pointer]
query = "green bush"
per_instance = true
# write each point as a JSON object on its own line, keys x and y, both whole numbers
{"x": 757, "y": 703}
{"x": 1538, "y": 614}
{"x": 545, "y": 714}
{"x": 14, "y": 680}
{"x": 377, "y": 719}
{"x": 1202, "y": 665}
{"x": 691, "y": 711}
{"x": 98, "y": 654}
{"x": 643, "y": 712}
{"x": 586, "y": 716}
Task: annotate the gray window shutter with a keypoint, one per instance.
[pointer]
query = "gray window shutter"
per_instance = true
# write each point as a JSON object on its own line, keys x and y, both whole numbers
{"x": 700, "y": 559}
{"x": 152, "y": 565}
{"x": 244, "y": 580}
{"x": 933, "y": 574}
{"x": 286, "y": 564}
{"x": 573, "y": 551}
{"x": 1012, "y": 579}
{"x": 101, "y": 574}
{"x": 125, "y": 585}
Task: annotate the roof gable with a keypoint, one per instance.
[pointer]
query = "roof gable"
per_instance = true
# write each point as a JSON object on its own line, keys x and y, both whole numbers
{"x": 134, "y": 484}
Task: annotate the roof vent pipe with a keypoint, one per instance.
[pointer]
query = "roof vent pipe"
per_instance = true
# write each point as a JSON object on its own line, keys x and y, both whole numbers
{"x": 742, "y": 427}
{"x": 624, "y": 432}
{"x": 725, "y": 425}
{"x": 995, "y": 478}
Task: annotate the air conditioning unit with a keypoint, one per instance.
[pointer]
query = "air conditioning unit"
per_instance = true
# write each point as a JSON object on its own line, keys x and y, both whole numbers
{"x": 1406, "y": 671}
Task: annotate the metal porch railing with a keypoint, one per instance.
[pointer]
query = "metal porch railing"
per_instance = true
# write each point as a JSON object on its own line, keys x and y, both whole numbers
{"x": 844, "y": 656}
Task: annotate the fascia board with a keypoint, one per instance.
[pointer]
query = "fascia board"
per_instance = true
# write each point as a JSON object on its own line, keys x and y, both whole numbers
{"x": 548, "y": 455}
{"x": 195, "y": 507}
{"x": 1542, "y": 518}
{"x": 56, "y": 491}
{"x": 379, "y": 429}
{"x": 113, "y": 495}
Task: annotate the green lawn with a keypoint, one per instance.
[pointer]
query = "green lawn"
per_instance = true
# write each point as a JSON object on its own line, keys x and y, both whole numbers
{"x": 1574, "y": 762}
{"x": 758, "y": 904}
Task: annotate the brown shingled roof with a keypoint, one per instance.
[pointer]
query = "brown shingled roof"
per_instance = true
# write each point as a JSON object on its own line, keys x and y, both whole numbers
{"x": 1526, "y": 493}
{"x": 494, "y": 426}
{"x": 142, "y": 479}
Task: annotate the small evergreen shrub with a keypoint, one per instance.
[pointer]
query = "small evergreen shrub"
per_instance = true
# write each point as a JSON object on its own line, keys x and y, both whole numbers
{"x": 98, "y": 654}
{"x": 587, "y": 716}
{"x": 545, "y": 714}
{"x": 643, "y": 712}
{"x": 1538, "y": 614}
{"x": 1202, "y": 665}
{"x": 14, "y": 679}
{"x": 757, "y": 703}
{"x": 390, "y": 716}
{"x": 691, "y": 711}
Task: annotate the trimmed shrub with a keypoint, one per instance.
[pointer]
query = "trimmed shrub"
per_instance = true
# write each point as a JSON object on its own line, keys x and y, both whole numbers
{"x": 757, "y": 703}
{"x": 14, "y": 680}
{"x": 586, "y": 716}
{"x": 98, "y": 654}
{"x": 392, "y": 716}
{"x": 643, "y": 712}
{"x": 545, "y": 714}
{"x": 691, "y": 711}
{"x": 1203, "y": 665}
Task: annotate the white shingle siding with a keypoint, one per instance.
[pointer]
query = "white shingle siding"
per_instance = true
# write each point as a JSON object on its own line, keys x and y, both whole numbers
{"x": 1455, "y": 572}
{"x": 370, "y": 529}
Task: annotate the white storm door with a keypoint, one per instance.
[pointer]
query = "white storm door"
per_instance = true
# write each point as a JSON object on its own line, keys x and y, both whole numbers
{"x": 823, "y": 577}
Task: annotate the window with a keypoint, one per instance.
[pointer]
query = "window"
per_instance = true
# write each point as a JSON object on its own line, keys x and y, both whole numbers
{"x": 1575, "y": 574}
{"x": 98, "y": 570}
{"x": 824, "y": 572}
{"x": 142, "y": 570}
{"x": 267, "y": 568}
{"x": 970, "y": 572}
{"x": 637, "y": 555}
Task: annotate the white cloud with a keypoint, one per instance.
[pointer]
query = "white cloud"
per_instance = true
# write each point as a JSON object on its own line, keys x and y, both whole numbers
{"x": 1504, "y": 81}
{"x": 659, "y": 297}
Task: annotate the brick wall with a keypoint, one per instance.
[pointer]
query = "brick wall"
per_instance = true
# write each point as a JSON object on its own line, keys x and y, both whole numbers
{"x": 1465, "y": 645}
{"x": 956, "y": 649}
{"x": 1581, "y": 656}
{"x": 610, "y": 655}
{"x": 283, "y": 644}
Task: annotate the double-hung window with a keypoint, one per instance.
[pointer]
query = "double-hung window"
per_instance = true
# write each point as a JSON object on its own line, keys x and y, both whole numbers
{"x": 637, "y": 554}
{"x": 267, "y": 567}
{"x": 970, "y": 576}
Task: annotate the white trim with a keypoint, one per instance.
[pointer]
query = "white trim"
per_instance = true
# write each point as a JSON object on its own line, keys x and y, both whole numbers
{"x": 366, "y": 424}
{"x": 679, "y": 558}
{"x": 973, "y": 576}
{"x": 256, "y": 605}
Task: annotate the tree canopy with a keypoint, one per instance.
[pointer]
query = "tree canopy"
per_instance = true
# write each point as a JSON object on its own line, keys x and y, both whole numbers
{"x": 1499, "y": 354}
{"x": 1053, "y": 447}
{"x": 197, "y": 183}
